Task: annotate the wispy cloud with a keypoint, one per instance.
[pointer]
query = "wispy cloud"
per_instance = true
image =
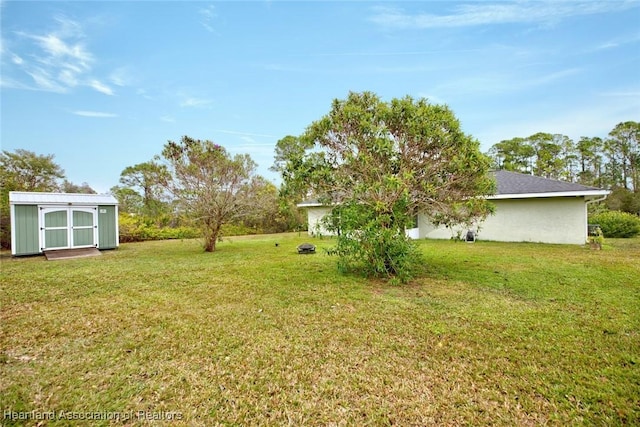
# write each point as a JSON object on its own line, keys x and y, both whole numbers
{"x": 16, "y": 59}
{"x": 207, "y": 16}
{"x": 474, "y": 14}
{"x": 101, "y": 87}
{"x": 121, "y": 77}
{"x": 433, "y": 99}
{"x": 45, "y": 81}
{"x": 504, "y": 82}
{"x": 96, "y": 114}
{"x": 552, "y": 77}
{"x": 235, "y": 132}
{"x": 617, "y": 42}
{"x": 595, "y": 118}
{"x": 248, "y": 139}
{"x": 195, "y": 102}
{"x": 55, "y": 61}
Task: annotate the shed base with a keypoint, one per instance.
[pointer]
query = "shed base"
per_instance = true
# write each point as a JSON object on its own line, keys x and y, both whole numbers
{"x": 71, "y": 253}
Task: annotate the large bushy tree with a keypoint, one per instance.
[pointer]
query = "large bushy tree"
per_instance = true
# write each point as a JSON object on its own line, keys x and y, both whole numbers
{"x": 381, "y": 163}
{"x": 69, "y": 187}
{"x": 290, "y": 159}
{"x": 149, "y": 180}
{"x": 211, "y": 186}
{"x": 623, "y": 150}
{"x": 24, "y": 170}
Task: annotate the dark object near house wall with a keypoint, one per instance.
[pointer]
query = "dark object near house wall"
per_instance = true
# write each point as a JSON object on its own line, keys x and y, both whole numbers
{"x": 306, "y": 248}
{"x": 471, "y": 236}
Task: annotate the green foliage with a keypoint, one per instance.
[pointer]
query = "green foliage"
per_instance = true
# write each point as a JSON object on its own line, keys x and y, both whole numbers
{"x": 24, "y": 170}
{"x": 210, "y": 186}
{"x": 596, "y": 237}
{"x": 617, "y": 224}
{"x": 148, "y": 180}
{"x": 610, "y": 163}
{"x": 134, "y": 228}
{"x": 70, "y": 187}
{"x": 383, "y": 162}
{"x": 129, "y": 200}
{"x": 623, "y": 200}
{"x": 371, "y": 244}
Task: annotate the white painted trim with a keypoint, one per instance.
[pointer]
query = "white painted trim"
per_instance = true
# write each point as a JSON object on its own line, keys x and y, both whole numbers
{"x": 12, "y": 213}
{"x": 43, "y": 209}
{"x": 39, "y": 198}
{"x": 587, "y": 193}
{"x": 553, "y": 194}
{"x": 117, "y": 228}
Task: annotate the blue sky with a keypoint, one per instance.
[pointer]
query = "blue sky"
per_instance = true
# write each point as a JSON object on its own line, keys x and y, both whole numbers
{"x": 104, "y": 85}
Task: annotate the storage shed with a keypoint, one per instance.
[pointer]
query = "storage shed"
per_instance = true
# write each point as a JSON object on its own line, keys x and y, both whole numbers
{"x": 55, "y": 221}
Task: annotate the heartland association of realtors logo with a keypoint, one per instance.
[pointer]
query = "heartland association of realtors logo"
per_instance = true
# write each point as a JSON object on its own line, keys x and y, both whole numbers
{"x": 11, "y": 415}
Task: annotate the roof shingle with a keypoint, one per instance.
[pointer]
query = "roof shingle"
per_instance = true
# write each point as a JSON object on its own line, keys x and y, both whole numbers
{"x": 518, "y": 183}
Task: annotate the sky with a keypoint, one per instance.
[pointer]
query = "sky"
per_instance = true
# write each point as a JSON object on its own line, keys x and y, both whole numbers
{"x": 104, "y": 85}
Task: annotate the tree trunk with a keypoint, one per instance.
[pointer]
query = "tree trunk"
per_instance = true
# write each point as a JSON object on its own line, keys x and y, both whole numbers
{"x": 211, "y": 239}
{"x": 210, "y": 244}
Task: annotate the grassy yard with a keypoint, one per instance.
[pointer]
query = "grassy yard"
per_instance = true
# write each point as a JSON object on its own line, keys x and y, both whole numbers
{"x": 254, "y": 334}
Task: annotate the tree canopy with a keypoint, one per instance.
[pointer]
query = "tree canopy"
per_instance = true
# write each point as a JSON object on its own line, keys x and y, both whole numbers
{"x": 612, "y": 162}
{"x": 381, "y": 163}
{"x": 211, "y": 186}
{"x": 24, "y": 170}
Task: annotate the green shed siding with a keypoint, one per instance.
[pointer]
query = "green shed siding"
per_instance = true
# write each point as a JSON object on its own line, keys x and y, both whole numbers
{"x": 56, "y": 239}
{"x": 26, "y": 230}
{"x": 81, "y": 218}
{"x": 56, "y": 218}
{"x": 83, "y": 237}
{"x": 107, "y": 227}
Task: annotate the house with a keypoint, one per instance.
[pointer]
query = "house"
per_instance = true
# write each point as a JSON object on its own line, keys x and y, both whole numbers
{"x": 54, "y": 221}
{"x": 527, "y": 209}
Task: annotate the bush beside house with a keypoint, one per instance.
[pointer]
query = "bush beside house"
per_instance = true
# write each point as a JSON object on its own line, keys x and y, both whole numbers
{"x": 617, "y": 224}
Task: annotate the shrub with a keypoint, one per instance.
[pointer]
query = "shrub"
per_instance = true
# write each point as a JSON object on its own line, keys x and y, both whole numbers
{"x": 367, "y": 243}
{"x": 238, "y": 230}
{"x": 617, "y": 224}
{"x": 138, "y": 229}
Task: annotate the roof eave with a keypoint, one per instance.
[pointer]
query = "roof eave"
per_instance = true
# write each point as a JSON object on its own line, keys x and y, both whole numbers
{"x": 586, "y": 193}
{"x": 312, "y": 205}
{"x": 89, "y": 199}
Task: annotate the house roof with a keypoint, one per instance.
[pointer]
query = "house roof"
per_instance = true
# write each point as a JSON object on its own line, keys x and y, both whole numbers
{"x": 34, "y": 198}
{"x": 513, "y": 185}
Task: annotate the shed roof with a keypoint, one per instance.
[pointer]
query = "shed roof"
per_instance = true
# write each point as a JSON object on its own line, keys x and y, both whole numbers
{"x": 34, "y": 198}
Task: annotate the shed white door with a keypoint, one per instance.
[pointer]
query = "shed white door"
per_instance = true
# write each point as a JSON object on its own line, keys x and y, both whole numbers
{"x": 64, "y": 227}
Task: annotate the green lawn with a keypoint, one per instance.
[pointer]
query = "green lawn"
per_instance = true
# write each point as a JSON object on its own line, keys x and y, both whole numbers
{"x": 254, "y": 334}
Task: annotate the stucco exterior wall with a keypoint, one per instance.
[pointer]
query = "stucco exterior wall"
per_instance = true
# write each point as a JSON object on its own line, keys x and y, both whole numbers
{"x": 547, "y": 220}
{"x": 314, "y": 217}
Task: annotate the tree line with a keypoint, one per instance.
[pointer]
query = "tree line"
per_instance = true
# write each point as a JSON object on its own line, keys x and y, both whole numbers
{"x": 612, "y": 162}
